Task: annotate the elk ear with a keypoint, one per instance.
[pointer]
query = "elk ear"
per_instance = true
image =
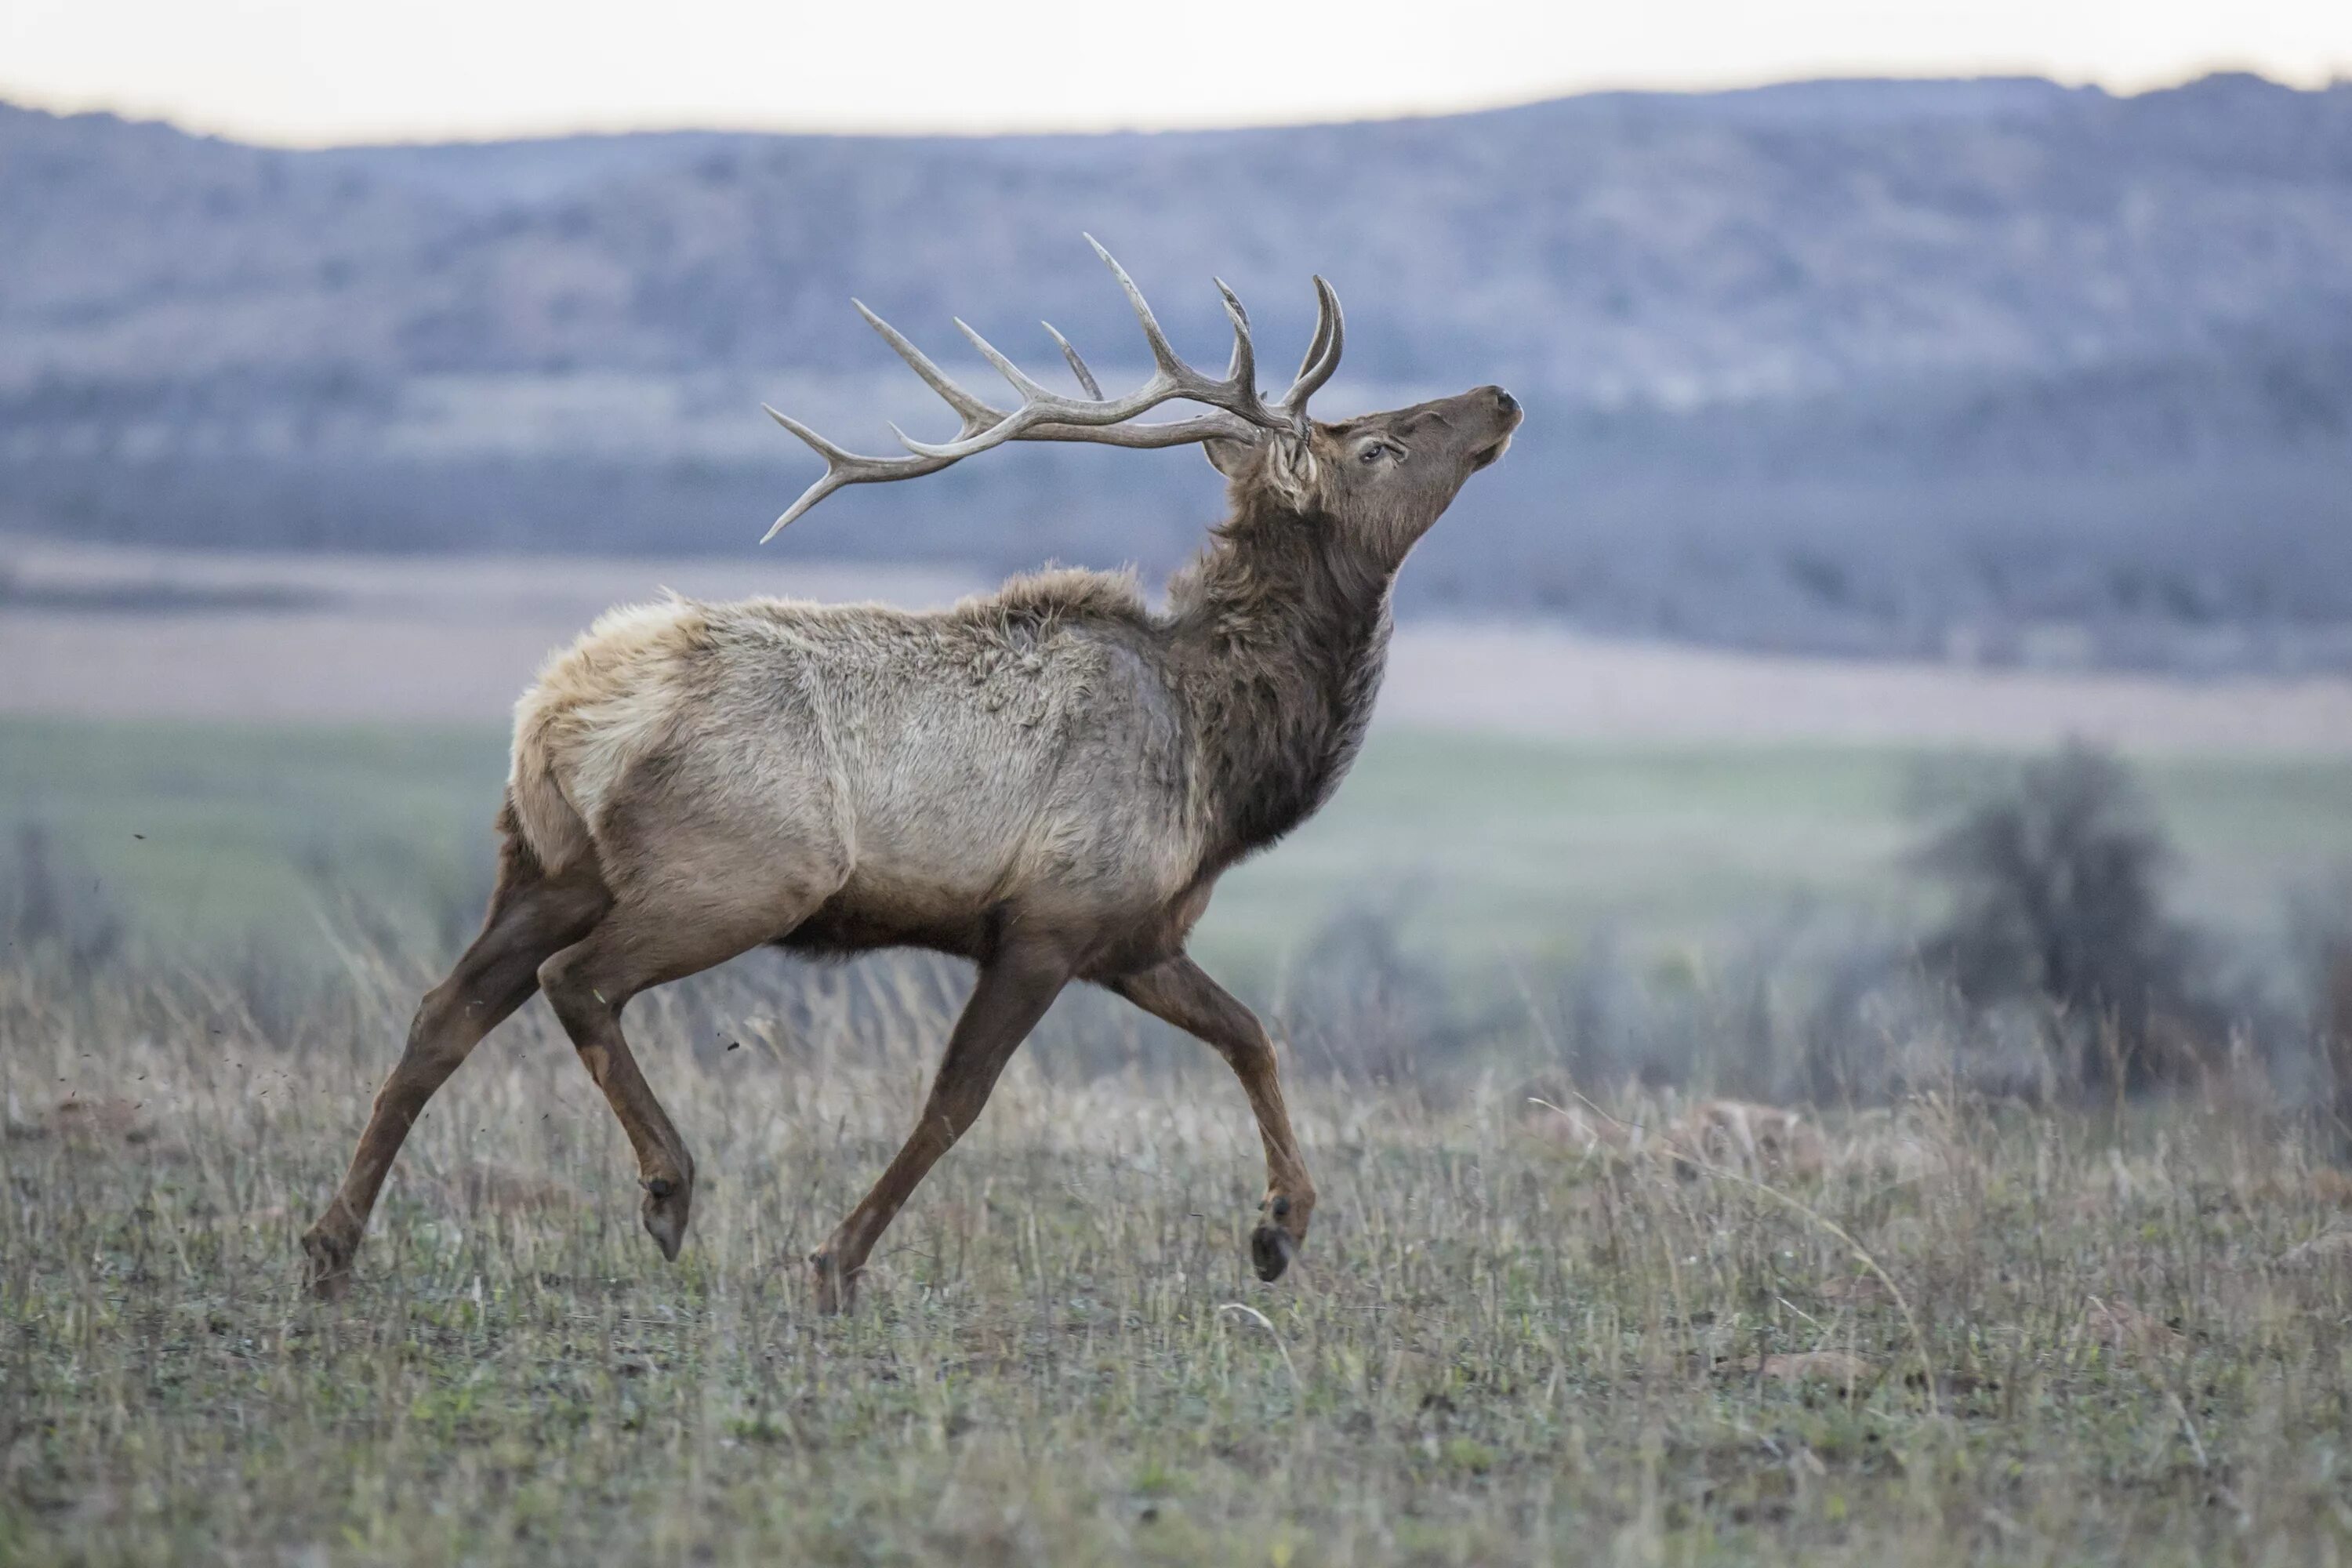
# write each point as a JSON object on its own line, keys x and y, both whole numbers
{"x": 1228, "y": 458}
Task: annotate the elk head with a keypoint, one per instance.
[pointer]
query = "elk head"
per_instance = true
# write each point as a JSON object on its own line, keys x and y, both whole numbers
{"x": 1382, "y": 479}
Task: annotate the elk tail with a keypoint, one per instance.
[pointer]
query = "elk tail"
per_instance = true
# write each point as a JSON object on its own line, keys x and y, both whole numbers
{"x": 536, "y": 807}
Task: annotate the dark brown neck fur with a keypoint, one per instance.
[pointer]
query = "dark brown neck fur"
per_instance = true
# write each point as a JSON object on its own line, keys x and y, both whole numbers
{"x": 1279, "y": 636}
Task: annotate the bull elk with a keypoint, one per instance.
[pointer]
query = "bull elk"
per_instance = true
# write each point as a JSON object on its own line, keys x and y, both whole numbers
{"x": 1047, "y": 781}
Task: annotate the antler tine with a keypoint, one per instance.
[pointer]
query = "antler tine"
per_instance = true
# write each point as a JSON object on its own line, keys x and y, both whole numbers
{"x": 1029, "y": 390}
{"x": 842, "y": 466}
{"x": 799, "y": 509}
{"x": 1235, "y": 394}
{"x": 1322, "y": 354}
{"x": 1241, "y": 370}
{"x": 1328, "y": 297}
{"x": 1162, "y": 353}
{"x": 1322, "y": 336}
{"x": 1077, "y": 366}
{"x": 1238, "y": 393}
{"x": 977, "y": 416}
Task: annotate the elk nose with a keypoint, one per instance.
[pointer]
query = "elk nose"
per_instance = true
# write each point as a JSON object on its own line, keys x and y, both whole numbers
{"x": 1506, "y": 402}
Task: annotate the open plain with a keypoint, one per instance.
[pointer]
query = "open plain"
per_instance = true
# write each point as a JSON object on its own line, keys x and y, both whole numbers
{"x": 1974, "y": 1333}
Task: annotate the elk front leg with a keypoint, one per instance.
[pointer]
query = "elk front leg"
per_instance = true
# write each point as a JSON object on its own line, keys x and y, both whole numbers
{"x": 1015, "y": 988}
{"x": 529, "y": 918}
{"x": 1180, "y": 992}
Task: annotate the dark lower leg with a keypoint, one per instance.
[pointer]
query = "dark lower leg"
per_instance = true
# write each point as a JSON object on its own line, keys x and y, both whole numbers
{"x": 1014, "y": 991}
{"x": 591, "y": 1012}
{"x": 1181, "y": 992}
{"x": 529, "y": 919}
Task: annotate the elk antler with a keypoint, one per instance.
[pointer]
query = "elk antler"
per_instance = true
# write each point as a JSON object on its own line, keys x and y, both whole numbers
{"x": 1242, "y": 413}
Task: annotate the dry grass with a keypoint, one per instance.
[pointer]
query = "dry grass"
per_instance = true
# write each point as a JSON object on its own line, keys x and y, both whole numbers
{"x": 1498, "y": 1347}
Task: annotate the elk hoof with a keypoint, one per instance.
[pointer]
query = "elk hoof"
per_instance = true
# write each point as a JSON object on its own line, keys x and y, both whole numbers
{"x": 1270, "y": 1250}
{"x": 327, "y": 1271}
{"x": 665, "y": 1212}
{"x": 837, "y": 1290}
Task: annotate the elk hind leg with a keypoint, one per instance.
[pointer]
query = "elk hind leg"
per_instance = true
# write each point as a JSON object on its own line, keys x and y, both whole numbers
{"x": 530, "y": 915}
{"x": 648, "y": 939}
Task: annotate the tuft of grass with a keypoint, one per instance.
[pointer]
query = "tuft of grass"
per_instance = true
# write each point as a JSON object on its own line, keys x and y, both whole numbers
{"x": 2111, "y": 1337}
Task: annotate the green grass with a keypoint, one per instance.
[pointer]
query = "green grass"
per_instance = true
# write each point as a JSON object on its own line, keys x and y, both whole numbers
{"x": 1486, "y": 845}
{"x": 2111, "y": 1343}
{"x": 216, "y": 834}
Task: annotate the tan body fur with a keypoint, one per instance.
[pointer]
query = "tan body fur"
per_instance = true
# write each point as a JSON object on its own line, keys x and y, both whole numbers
{"x": 931, "y": 766}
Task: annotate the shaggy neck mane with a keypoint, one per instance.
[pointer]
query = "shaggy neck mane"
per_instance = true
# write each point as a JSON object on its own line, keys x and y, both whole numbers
{"x": 1279, "y": 634}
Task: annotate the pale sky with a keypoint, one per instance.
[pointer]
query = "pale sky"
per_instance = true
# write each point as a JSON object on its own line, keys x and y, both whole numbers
{"x": 313, "y": 72}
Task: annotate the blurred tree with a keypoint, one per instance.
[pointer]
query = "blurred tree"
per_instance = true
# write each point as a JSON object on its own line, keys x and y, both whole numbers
{"x": 2056, "y": 881}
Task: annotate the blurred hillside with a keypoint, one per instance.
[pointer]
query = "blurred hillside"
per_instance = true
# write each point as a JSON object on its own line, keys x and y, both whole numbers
{"x": 1992, "y": 370}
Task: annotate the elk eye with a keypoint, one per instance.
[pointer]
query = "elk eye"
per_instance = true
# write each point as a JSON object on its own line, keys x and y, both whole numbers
{"x": 1375, "y": 452}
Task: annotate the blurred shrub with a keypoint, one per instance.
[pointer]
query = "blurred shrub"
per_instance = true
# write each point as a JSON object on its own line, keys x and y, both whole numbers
{"x": 46, "y": 906}
{"x": 2054, "y": 880}
{"x": 1808, "y": 1003}
{"x": 1362, "y": 1004}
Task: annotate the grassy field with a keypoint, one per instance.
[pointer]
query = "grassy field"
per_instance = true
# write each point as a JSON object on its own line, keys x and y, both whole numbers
{"x": 1976, "y": 1334}
{"x": 213, "y": 833}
